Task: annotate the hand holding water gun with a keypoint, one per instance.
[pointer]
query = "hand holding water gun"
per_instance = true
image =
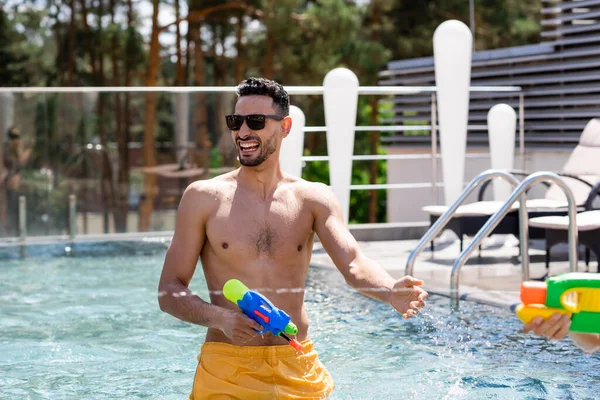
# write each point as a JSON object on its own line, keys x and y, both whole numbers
{"x": 258, "y": 308}
{"x": 576, "y": 295}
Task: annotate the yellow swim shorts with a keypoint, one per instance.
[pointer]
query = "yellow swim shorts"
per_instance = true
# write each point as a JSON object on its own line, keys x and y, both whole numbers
{"x": 229, "y": 372}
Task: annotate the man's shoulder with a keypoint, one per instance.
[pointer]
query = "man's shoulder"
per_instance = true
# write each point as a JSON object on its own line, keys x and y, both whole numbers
{"x": 302, "y": 185}
{"x": 311, "y": 192}
{"x": 210, "y": 188}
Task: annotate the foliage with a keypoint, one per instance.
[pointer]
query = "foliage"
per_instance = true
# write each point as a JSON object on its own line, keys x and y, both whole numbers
{"x": 105, "y": 42}
{"x": 318, "y": 171}
{"x": 13, "y": 60}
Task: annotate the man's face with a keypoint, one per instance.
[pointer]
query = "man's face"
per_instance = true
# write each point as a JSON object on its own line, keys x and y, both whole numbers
{"x": 256, "y": 146}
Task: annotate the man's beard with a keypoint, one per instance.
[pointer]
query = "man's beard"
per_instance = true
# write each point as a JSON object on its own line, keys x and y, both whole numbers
{"x": 265, "y": 152}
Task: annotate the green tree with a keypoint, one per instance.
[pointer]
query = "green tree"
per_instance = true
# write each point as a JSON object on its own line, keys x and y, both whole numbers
{"x": 13, "y": 59}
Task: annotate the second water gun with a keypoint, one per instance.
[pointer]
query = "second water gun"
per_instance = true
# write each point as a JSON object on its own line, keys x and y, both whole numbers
{"x": 574, "y": 294}
{"x": 260, "y": 309}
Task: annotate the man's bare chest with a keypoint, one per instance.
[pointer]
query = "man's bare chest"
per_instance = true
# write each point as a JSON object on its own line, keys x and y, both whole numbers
{"x": 256, "y": 229}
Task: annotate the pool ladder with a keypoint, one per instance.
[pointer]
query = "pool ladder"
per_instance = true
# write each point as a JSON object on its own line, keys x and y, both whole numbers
{"x": 519, "y": 194}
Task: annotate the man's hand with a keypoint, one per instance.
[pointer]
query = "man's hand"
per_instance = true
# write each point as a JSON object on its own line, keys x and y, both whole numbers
{"x": 554, "y": 328}
{"x": 238, "y": 327}
{"x": 407, "y": 297}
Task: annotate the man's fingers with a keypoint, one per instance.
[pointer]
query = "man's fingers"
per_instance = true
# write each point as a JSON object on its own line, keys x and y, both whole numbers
{"x": 546, "y": 326}
{"x": 256, "y": 326}
{"x": 417, "y": 304}
{"x": 551, "y": 325}
{"x": 564, "y": 328}
{"x": 554, "y": 331}
{"x": 253, "y": 324}
{"x": 247, "y": 332}
{"x": 533, "y": 324}
{"x": 423, "y": 296}
{"x": 410, "y": 281}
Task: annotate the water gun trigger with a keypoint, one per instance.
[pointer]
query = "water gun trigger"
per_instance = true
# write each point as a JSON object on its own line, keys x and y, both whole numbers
{"x": 262, "y": 317}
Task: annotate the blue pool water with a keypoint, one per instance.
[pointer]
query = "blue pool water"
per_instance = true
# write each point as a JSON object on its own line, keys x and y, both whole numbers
{"x": 85, "y": 324}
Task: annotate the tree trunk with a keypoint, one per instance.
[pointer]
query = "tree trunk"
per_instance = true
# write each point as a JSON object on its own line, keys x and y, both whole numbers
{"x": 3, "y": 208}
{"x": 4, "y": 124}
{"x": 225, "y": 144}
{"x": 239, "y": 62}
{"x": 3, "y": 199}
{"x": 179, "y": 74}
{"x": 188, "y": 58}
{"x": 149, "y": 151}
{"x": 60, "y": 71}
{"x": 71, "y": 46}
{"x": 86, "y": 27}
{"x": 92, "y": 53}
{"x": 122, "y": 187}
{"x": 124, "y": 164}
{"x": 374, "y": 122}
{"x": 374, "y": 164}
{"x": 203, "y": 143}
{"x": 268, "y": 67}
{"x": 108, "y": 194}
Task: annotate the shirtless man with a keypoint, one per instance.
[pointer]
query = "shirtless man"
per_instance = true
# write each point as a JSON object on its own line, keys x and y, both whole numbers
{"x": 257, "y": 224}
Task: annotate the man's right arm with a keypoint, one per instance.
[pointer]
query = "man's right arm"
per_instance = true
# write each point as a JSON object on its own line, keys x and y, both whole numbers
{"x": 175, "y": 297}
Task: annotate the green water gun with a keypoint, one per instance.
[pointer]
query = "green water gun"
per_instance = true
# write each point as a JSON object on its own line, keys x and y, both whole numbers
{"x": 575, "y": 294}
{"x": 260, "y": 309}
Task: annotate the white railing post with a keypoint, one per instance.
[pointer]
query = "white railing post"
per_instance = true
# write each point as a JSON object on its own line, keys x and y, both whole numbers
{"x": 292, "y": 146}
{"x": 502, "y": 124}
{"x": 340, "y": 96}
{"x": 452, "y": 46}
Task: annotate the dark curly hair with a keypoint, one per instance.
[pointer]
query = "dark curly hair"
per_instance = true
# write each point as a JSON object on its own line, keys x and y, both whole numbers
{"x": 266, "y": 87}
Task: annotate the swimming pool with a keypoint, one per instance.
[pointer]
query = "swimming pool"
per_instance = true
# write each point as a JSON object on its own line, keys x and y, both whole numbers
{"x": 86, "y": 324}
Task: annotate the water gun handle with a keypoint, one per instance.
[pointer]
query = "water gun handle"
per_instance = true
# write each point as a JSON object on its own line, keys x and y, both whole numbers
{"x": 528, "y": 312}
{"x": 265, "y": 319}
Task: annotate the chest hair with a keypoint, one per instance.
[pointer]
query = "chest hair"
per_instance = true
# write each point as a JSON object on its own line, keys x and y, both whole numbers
{"x": 264, "y": 239}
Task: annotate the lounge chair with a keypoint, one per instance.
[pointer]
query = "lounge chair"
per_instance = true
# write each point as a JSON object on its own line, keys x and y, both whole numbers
{"x": 556, "y": 231}
{"x": 581, "y": 173}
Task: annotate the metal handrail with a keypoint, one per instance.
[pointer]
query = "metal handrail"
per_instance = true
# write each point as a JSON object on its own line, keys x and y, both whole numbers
{"x": 519, "y": 192}
{"x": 445, "y": 218}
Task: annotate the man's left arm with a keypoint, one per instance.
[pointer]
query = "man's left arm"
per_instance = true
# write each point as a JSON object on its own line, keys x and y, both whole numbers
{"x": 361, "y": 272}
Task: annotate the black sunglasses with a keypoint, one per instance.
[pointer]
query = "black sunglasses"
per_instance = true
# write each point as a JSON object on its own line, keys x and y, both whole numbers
{"x": 256, "y": 122}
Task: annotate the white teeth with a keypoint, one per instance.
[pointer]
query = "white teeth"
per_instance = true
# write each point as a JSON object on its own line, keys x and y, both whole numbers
{"x": 248, "y": 145}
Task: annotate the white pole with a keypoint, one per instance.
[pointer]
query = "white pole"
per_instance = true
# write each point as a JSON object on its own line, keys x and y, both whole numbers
{"x": 452, "y": 44}
{"x": 340, "y": 96}
{"x": 292, "y": 146}
{"x": 502, "y": 124}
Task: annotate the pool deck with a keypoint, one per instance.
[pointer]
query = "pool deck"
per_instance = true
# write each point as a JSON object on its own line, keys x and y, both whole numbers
{"x": 493, "y": 278}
